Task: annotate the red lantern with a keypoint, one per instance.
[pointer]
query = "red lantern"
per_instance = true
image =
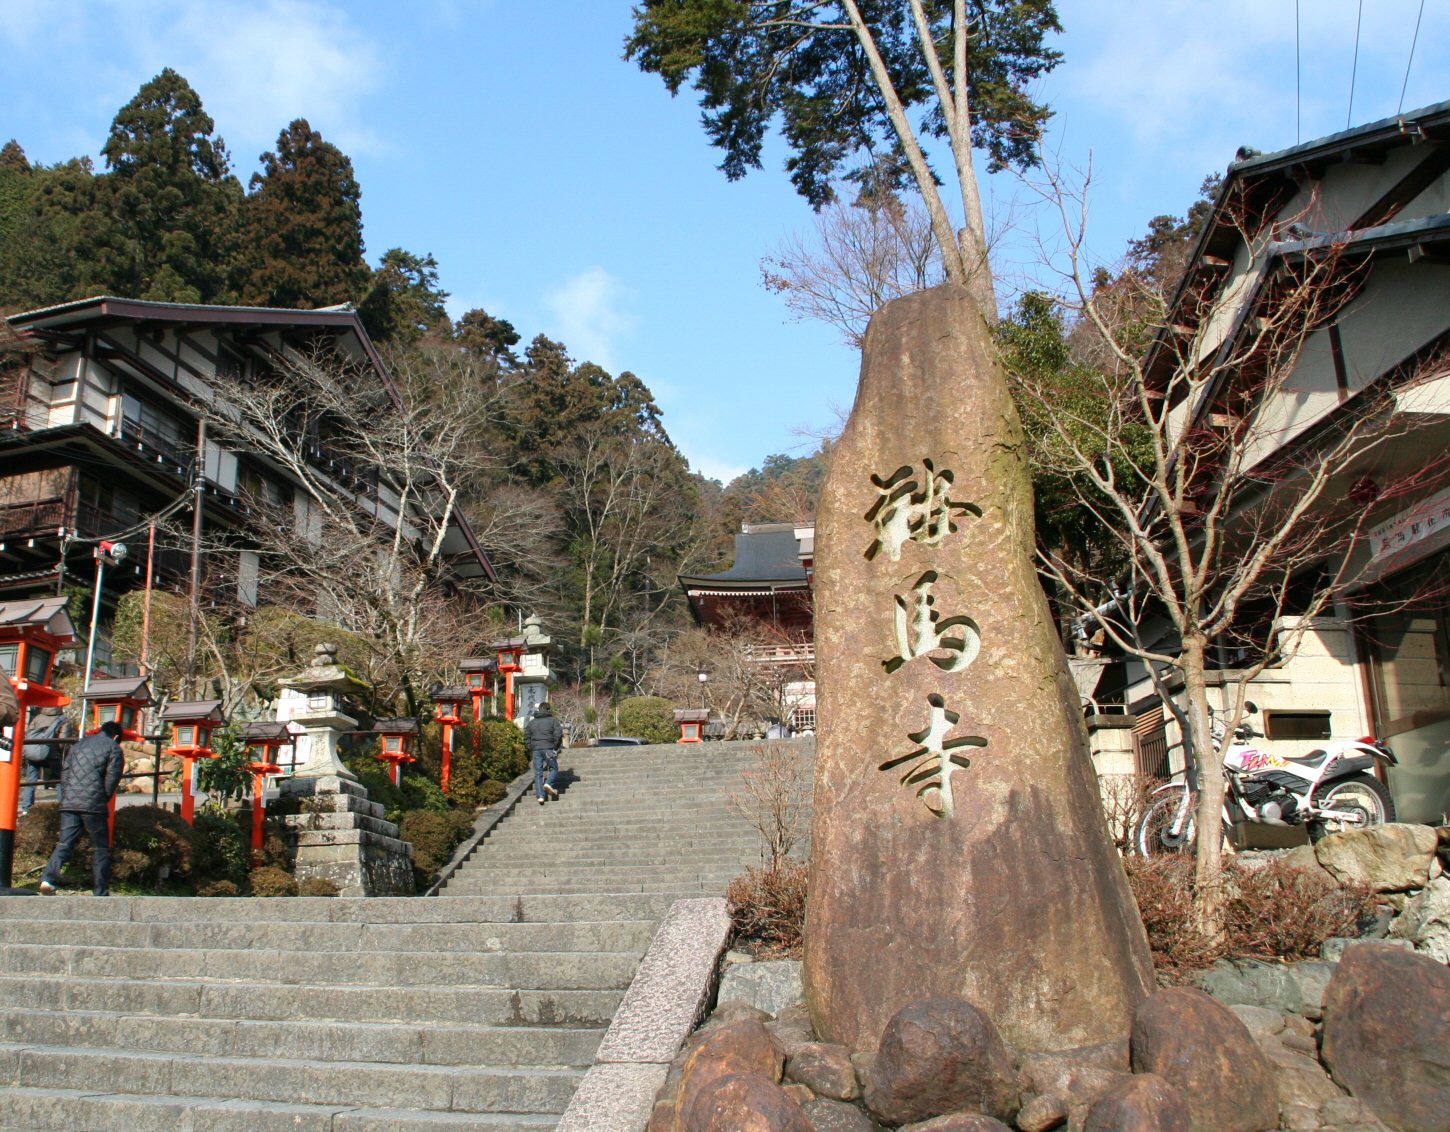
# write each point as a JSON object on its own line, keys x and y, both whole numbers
{"x": 692, "y": 723}
{"x": 191, "y": 726}
{"x": 264, "y": 742}
{"x": 119, "y": 701}
{"x": 31, "y": 633}
{"x": 395, "y": 741}
{"x": 479, "y": 672}
{"x": 449, "y": 700}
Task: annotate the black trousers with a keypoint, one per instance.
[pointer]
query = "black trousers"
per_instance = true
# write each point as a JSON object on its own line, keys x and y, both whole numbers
{"x": 98, "y": 829}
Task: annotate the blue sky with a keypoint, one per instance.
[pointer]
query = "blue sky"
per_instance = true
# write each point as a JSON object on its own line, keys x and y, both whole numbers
{"x": 562, "y": 189}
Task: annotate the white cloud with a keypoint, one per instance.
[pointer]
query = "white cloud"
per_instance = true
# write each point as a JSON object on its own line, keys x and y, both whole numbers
{"x": 257, "y": 66}
{"x": 590, "y": 315}
{"x": 714, "y": 469}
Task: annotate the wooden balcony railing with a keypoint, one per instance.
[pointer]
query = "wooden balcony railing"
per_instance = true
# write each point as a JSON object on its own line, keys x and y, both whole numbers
{"x": 37, "y": 517}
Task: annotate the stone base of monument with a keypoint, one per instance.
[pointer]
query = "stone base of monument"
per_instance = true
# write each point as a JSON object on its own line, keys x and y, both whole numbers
{"x": 341, "y": 836}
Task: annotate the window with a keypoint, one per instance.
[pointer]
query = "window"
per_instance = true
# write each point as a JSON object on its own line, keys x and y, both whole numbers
{"x": 1296, "y": 725}
{"x": 152, "y": 427}
{"x": 803, "y": 719}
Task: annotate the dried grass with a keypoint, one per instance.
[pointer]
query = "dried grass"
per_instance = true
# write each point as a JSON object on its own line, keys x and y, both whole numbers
{"x": 1271, "y": 911}
{"x": 768, "y": 909}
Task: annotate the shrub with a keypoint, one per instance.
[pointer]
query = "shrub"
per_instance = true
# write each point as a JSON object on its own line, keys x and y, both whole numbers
{"x": 150, "y": 844}
{"x": 501, "y": 750}
{"x": 218, "y": 888}
{"x": 219, "y": 848}
{"x": 1270, "y": 911}
{"x": 774, "y": 796}
{"x": 38, "y": 831}
{"x": 434, "y": 836}
{"x": 272, "y": 881}
{"x": 317, "y": 886}
{"x": 768, "y": 908}
{"x": 1286, "y": 912}
{"x": 651, "y": 718}
{"x": 226, "y": 775}
{"x": 491, "y": 791}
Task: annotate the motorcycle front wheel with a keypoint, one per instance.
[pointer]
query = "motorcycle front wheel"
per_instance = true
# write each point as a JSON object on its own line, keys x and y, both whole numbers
{"x": 1154, "y": 835}
{"x": 1360, "y": 795}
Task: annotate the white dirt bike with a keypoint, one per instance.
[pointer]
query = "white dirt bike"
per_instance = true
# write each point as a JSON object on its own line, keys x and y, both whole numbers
{"x": 1329, "y": 789}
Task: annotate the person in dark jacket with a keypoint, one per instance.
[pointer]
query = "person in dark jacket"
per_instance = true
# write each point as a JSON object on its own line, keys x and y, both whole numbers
{"x": 544, "y": 735}
{"x": 88, "y": 782}
{"x": 41, "y": 757}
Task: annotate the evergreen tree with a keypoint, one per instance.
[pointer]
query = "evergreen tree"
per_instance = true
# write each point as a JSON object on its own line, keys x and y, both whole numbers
{"x": 165, "y": 221}
{"x": 43, "y": 213}
{"x": 486, "y": 337}
{"x": 404, "y": 301}
{"x": 302, "y": 231}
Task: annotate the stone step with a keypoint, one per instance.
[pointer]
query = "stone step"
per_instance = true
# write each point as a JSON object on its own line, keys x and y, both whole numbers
{"x": 678, "y": 890}
{"x": 545, "y": 908}
{"x": 686, "y": 866}
{"x": 448, "y": 1088}
{"x": 488, "y": 1006}
{"x": 517, "y": 853}
{"x": 389, "y": 1043}
{"x": 535, "y": 970}
{"x": 92, "y": 1110}
{"x": 588, "y": 936}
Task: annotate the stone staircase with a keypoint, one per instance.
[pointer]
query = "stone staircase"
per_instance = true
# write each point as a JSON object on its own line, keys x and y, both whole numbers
{"x": 479, "y": 1009}
{"x": 628, "y": 819}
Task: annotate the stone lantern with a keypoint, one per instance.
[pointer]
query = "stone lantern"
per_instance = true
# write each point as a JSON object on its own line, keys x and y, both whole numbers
{"x": 31, "y": 633}
{"x": 341, "y": 836}
{"x": 192, "y": 723}
{"x": 325, "y": 684}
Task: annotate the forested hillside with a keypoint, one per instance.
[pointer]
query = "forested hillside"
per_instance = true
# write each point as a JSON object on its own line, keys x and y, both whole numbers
{"x": 577, "y": 492}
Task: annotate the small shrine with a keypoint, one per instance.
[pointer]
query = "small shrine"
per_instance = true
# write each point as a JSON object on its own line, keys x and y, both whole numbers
{"x": 341, "y": 835}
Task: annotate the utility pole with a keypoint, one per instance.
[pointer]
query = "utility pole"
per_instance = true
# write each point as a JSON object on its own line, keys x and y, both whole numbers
{"x": 198, "y": 481}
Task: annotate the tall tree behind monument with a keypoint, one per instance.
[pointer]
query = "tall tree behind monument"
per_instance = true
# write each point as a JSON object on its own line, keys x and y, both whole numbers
{"x": 959, "y": 846}
{"x": 164, "y": 224}
{"x": 302, "y": 231}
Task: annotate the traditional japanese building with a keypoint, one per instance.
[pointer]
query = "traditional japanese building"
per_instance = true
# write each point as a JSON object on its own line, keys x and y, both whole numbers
{"x": 767, "y": 593}
{"x": 1375, "y": 200}
{"x": 101, "y": 430}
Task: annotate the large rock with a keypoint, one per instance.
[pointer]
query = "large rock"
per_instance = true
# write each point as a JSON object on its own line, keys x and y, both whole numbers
{"x": 744, "y": 1102}
{"x": 1384, "y": 858}
{"x": 1198, "y": 1045}
{"x": 1143, "y": 1103}
{"x": 825, "y": 1069}
{"x": 959, "y": 845}
{"x": 940, "y": 1056}
{"x": 741, "y": 1047}
{"x": 1387, "y": 1035}
{"x": 837, "y": 1116}
{"x": 959, "y": 1122}
{"x": 770, "y": 985}
{"x": 1425, "y": 922}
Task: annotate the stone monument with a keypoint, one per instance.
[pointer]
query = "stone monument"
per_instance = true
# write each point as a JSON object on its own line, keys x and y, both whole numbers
{"x": 341, "y": 836}
{"x": 959, "y": 846}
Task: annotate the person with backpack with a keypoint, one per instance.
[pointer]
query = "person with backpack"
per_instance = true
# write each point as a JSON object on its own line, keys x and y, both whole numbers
{"x": 544, "y": 735}
{"x": 88, "y": 782}
{"x": 41, "y": 756}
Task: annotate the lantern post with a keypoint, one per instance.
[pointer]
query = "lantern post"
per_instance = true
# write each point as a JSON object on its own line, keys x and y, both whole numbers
{"x": 479, "y": 673}
{"x": 192, "y": 723}
{"x": 264, "y": 741}
{"x": 31, "y": 633}
{"x": 523, "y": 663}
{"x": 692, "y": 723}
{"x": 395, "y": 741}
{"x": 117, "y": 701}
{"x": 449, "y": 700}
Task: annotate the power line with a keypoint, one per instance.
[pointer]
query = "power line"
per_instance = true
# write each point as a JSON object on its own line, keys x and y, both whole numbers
{"x": 1410, "y": 60}
{"x": 1354, "y": 68}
